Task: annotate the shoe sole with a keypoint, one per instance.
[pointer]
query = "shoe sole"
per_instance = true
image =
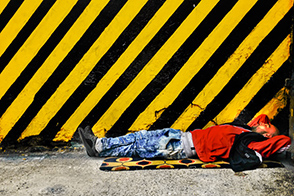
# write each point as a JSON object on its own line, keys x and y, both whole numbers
{"x": 87, "y": 146}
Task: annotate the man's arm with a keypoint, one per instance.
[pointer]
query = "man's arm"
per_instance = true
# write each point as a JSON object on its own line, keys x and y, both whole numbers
{"x": 270, "y": 146}
{"x": 263, "y": 118}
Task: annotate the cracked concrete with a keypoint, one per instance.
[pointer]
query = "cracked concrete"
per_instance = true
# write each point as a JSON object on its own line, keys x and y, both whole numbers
{"x": 72, "y": 172}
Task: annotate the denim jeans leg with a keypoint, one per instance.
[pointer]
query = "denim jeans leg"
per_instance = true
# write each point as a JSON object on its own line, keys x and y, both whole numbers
{"x": 162, "y": 143}
{"x": 118, "y": 146}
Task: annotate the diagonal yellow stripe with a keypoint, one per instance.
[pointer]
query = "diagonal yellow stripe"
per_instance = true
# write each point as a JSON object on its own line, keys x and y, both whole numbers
{"x": 3, "y": 4}
{"x": 26, "y": 96}
{"x": 150, "y": 30}
{"x": 272, "y": 108}
{"x": 16, "y": 23}
{"x": 236, "y": 60}
{"x": 84, "y": 67}
{"x": 251, "y": 88}
{"x": 193, "y": 65}
{"x": 154, "y": 66}
{"x": 33, "y": 44}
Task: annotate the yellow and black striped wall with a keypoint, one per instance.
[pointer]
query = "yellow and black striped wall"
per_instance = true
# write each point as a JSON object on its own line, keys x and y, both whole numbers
{"x": 125, "y": 65}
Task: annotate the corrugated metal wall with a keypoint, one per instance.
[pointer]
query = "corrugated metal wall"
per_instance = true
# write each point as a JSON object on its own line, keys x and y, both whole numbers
{"x": 122, "y": 66}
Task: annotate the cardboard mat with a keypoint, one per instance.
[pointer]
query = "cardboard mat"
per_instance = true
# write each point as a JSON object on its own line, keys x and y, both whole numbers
{"x": 129, "y": 163}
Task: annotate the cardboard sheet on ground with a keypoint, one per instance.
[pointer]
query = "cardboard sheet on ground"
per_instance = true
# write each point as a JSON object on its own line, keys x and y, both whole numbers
{"x": 129, "y": 163}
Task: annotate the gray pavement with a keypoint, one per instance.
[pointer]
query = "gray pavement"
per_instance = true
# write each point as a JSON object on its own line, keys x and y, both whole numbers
{"x": 73, "y": 173}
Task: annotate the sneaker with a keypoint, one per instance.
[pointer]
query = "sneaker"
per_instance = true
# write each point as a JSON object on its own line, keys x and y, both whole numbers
{"x": 89, "y": 141}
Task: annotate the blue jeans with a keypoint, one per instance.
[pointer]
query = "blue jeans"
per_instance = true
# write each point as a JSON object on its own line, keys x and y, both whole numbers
{"x": 162, "y": 143}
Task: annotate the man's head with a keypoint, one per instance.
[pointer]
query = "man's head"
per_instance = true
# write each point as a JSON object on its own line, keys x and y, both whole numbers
{"x": 267, "y": 130}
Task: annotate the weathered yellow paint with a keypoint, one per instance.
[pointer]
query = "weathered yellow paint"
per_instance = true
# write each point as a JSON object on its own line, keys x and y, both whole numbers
{"x": 153, "y": 26}
{"x": 193, "y": 65}
{"x": 279, "y": 102}
{"x": 23, "y": 57}
{"x": 26, "y": 96}
{"x": 154, "y": 66}
{"x": 17, "y": 109}
{"x": 84, "y": 67}
{"x": 237, "y": 59}
{"x": 16, "y": 23}
{"x": 3, "y": 4}
{"x": 239, "y": 102}
{"x": 33, "y": 44}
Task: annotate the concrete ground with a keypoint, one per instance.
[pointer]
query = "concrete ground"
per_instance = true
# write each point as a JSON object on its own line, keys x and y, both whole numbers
{"x": 72, "y": 172}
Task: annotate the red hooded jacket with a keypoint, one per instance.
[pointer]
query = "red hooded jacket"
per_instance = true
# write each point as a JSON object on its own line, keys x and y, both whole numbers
{"x": 215, "y": 142}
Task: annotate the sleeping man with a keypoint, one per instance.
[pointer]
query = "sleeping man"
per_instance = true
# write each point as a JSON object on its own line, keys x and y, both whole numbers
{"x": 243, "y": 146}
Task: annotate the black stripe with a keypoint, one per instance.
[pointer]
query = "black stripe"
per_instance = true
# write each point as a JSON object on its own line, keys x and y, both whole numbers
{"x": 237, "y": 82}
{"x": 65, "y": 67}
{"x": 198, "y": 82}
{"x": 42, "y": 55}
{"x": 172, "y": 67}
{"x": 124, "y": 40}
{"x": 25, "y": 32}
{"x": 141, "y": 60}
{"x": 8, "y": 12}
{"x": 281, "y": 120}
{"x": 265, "y": 94}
